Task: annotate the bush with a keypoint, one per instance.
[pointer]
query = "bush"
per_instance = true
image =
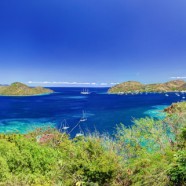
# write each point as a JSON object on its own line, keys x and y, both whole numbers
{"x": 26, "y": 160}
{"x": 4, "y": 170}
{"x": 86, "y": 161}
{"x": 177, "y": 171}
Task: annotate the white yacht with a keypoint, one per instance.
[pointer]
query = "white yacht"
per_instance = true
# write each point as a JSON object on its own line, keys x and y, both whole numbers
{"x": 85, "y": 92}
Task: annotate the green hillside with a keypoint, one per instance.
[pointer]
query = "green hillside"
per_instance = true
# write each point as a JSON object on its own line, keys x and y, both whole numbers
{"x": 19, "y": 89}
{"x": 133, "y": 86}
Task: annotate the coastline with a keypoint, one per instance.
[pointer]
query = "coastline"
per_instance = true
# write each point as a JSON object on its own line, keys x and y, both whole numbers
{"x": 44, "y": 94}
{"x": 136, "y": 93}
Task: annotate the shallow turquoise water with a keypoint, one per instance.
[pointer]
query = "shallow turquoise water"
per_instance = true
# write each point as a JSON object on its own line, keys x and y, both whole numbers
{"x": 157, "y": 111}
{"x": 23, "y": 125}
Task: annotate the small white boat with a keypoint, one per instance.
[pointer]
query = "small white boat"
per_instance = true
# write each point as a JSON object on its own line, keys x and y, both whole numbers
{"x": 80, "y": 132}
{"x": 85, "y": 92}
{"x": 64, "y": 125}
{"x": 177, "y": 94}
{"x": 166, "y": 95}
{"x": 83, "y": 118}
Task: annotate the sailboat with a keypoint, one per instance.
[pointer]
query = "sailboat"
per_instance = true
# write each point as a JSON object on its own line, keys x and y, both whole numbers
{"x": 83, "y": 118}
{"x": 80, "y": 132}
{"x": 85, "y": 91}
{"x": 64, "y": 125}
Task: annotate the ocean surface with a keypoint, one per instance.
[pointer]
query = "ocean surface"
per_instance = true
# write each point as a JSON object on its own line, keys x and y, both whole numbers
{"x": 64, "y": 108}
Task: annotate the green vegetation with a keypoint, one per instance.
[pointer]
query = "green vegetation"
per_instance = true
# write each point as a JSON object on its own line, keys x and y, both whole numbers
{"x": 176, "y": 108}
{"x": 19, "y": 89}
{"x": 150, "y": 153}
{"x": 133, "y": 86}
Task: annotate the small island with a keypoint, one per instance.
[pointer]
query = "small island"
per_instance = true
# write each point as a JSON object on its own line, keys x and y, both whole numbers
{"x": 137, "y": 87}
{"x": 20, "y": 89}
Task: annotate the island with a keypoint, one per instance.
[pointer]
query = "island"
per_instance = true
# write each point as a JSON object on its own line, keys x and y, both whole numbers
{"x": 137, "y": 87}
{"x": 20, "y": 89}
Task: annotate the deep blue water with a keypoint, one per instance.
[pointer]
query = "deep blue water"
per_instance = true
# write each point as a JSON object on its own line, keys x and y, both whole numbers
{"x": 103, "y": 111}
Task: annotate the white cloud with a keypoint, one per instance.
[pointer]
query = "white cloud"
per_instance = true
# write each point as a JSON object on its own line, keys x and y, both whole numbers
{"x": 60, "y": 82}
{"x": 114, "y": 83}
{"x": 71, "y": 83}
{"x": 103, "y": 84}
{"x": 179, "y": 77}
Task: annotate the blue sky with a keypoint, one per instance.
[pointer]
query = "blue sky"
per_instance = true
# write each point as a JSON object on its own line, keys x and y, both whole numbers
{"x": 93, "y": 42}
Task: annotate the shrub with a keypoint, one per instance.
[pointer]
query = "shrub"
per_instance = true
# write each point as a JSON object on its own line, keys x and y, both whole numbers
{"x": 4, "y": 169}
{"x": 177, "y": 171}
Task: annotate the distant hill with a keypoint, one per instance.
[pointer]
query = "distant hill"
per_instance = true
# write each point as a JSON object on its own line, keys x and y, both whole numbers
{"x": 20, "y": 89}
{"x": 133, "y": 86}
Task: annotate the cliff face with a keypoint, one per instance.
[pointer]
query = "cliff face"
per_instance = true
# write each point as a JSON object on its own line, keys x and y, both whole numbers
{"x": 19, "y": 89}
{"x": 133, "y": 86}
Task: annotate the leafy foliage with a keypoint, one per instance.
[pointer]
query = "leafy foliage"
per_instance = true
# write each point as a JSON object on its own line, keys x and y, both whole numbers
{"x": 177, "y": 171}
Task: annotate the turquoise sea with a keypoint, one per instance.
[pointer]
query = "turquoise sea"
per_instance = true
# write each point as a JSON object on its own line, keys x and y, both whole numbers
{"x": 64, "y": 108}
